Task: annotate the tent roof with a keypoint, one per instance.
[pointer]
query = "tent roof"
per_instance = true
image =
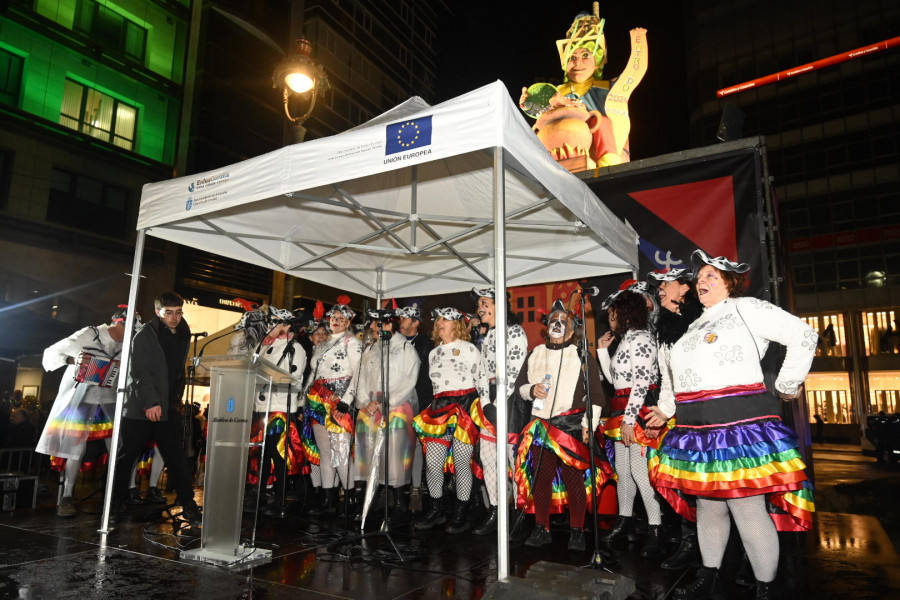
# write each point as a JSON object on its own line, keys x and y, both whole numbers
{"x": 348, "y": 212}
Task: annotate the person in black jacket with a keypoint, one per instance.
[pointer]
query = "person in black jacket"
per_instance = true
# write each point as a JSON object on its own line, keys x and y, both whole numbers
{"x": 154, "y": 388}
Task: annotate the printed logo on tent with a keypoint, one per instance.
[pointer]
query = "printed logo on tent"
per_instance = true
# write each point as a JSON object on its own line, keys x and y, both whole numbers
{"x": 230, "y": 405}
{"x": 408, "y": 135}
{"x": 189, "y": 203}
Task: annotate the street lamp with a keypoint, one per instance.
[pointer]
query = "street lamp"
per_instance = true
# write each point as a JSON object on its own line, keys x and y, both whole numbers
{"x": 298, "y": 74}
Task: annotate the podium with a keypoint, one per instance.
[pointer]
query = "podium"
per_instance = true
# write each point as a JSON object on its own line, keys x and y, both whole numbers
{"x": 234, "y": 383}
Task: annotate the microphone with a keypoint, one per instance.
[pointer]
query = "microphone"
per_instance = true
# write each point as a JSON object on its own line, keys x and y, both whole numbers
{"x": 200, "y": 335}
{"x": 385, "y": 335}
{"x": 591, "y": 291}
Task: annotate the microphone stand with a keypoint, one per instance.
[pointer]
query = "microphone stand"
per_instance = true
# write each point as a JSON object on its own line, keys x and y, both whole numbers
{"x": 597, "y": 561}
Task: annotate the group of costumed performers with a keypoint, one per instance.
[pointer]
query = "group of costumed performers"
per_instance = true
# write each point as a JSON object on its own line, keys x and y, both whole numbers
{"x": 632, "y": 370}
{"x": 86, "y": 403}
{"x": 729, "y": 448}
{"x": 552, "y": 469}
{"x": 330, "y": 393}
{"x": 484, "y": 413}
{"x": 271, "y": 333}
{"x": 401, "y": 365}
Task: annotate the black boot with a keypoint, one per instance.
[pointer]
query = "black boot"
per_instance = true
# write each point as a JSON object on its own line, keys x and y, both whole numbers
{"x": 489, "y": 524}
{"x": 539, "y": 537}
{"x": 327, "y": 503}
{"x": 415, "y": 500}
{"x": 701, "y": 588}
{"x": 435, "y": 516}
{"x": 745, "y": 577}
{"x": 623, "y": 527}
{"x": 765, "y": 590}
{"x": 688, "y": 553}
{"x": 576, "y": 540}
{"x": 653, "y": 544}
{"x": 398, "y": 500}
{"x": 460, "y": 521}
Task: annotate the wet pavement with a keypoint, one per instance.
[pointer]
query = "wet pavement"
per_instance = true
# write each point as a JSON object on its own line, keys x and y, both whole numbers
{"x": 851, "y": 553}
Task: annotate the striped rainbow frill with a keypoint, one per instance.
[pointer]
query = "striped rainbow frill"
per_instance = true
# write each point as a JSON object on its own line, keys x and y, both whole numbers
{"x": 748, "y": 457}
{"x": 321, "y": 403}
{"x": 538, "y": 433}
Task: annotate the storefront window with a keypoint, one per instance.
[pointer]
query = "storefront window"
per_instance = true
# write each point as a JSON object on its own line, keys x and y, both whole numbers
{"x": 880, "y": 333}
{"x": 828, "y": 394}
{"x": 832, "y": 339}
{"x": 884, "y": 392}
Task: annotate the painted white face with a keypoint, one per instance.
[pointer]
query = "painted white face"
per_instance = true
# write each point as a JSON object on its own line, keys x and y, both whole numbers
{"x": 339, "y": 323}
{"x": 486, "y": 311}
{"x": 671, "y": 293}
{"x": 558, "y": 327}
{"x": 711, "y": 287}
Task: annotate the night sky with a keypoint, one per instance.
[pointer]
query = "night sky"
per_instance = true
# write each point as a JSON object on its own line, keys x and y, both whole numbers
{"x": 482, "y": 43}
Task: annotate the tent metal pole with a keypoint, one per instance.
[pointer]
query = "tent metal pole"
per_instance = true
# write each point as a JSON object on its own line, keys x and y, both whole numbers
{"x": 500, "y": 321}
{"x": 414, "y": 206}
{"x": 123, "y": 376}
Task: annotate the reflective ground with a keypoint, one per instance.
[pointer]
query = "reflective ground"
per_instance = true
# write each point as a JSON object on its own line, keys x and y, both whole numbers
{"x": 850, "y": 553}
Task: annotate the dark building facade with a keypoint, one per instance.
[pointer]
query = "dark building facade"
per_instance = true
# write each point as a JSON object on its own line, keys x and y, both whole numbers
{"x": 833, "y": 137}
{"x": 98, "y": 98}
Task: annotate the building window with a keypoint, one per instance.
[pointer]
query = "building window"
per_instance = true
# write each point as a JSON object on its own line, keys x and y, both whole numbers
{"x": 10, "y": 77}
{"x": 96, "y": 114}
{"x": 110, "y": 29}
{"x": 86, "y": 203}
{"x": 884, "y": 392}
{"x": 832, "y": 338}
{"x": 880, "y": 334}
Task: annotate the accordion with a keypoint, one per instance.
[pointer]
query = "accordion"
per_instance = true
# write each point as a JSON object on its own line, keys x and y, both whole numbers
{"x": 97, "y": 370}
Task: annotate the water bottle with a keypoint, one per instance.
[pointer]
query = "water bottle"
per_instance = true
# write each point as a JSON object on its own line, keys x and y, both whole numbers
{"x": 538, "y": 402}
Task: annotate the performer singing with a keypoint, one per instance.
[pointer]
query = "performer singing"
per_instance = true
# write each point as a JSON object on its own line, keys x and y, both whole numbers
{"x": 484, "y": 414}
{"x": 680, "y": 308}
{"x": 278, "y": 346}
{"x": 729, "y": 447}
{"x": 553, "y": 445}
{"x": 330, "y": 394}
{"x": 401, "y": 380}
{"x": 86, "y": 403}
{"x": 633, "y": 373}
{"x": 446, "y": 430}
{"x": 410, "y": 319}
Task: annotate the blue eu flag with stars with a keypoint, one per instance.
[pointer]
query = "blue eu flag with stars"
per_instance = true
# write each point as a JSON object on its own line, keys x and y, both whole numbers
{"x": 408, "y": 135}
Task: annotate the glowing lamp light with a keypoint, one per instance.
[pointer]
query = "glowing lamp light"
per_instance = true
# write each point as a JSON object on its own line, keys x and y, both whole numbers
{"x": 298, "y": 74}
{"x": 299, "y": 82}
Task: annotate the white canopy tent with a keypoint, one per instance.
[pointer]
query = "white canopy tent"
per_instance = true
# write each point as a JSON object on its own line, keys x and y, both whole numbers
{"x": 414, "y": 202}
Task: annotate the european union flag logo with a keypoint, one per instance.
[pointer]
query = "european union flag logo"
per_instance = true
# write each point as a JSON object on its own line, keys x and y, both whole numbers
{"x": 408, "y": 135}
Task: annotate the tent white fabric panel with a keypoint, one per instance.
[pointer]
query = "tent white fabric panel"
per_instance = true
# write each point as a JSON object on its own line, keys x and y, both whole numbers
{"x": 340, "y": 210}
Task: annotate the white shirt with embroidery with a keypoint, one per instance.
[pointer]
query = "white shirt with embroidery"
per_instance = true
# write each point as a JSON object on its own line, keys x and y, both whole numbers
{"x": 337, "y": 357}
{"x": 516, "y": 351}
{"x": 724, "y": 345}
{"x": 632, "y": 366}
{"x": 402, "y": 373}
{"x": 94, "y": 340}
{"x": 274, "y": 353}
{"x": 456, "y": 366}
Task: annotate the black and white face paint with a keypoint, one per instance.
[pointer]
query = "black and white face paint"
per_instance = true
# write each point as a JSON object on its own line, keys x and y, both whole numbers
{"x": 557, "y": 327}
